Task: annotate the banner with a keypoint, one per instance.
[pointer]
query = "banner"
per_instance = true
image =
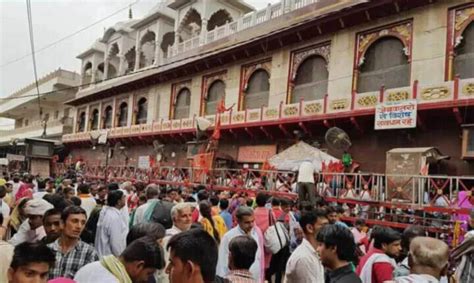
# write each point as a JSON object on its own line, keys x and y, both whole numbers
{"x": 15, "y": 157}
{"x": 256, "y": 153}
{"x": 396, "y": 115}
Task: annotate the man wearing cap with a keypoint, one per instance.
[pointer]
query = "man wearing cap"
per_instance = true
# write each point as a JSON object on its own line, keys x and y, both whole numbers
{"x": 32, "y": 230}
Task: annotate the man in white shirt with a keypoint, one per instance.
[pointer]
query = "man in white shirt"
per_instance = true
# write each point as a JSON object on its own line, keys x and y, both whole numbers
{"x": 304, "y": 265}
{"x": 246, "y": 226}
{"x": 112, "y": 229}
{"x": 305, "y": 183}
{"x": 4, "y": 207}
{"x": 428, "y": 260}
{"x": 32, "y": 230}
{"x": 88, "y": 202}
{"x": 137, "y": 262}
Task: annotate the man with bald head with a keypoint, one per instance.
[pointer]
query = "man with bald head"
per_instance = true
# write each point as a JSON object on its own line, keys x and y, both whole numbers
{"x": 428, "y": 261}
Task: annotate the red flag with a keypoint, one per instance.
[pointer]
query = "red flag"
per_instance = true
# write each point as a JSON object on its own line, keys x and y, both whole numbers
{"x": 216, "y": 135}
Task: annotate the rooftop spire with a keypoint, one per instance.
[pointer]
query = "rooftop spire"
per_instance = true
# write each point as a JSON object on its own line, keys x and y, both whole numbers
{"x": 130, "y": 15}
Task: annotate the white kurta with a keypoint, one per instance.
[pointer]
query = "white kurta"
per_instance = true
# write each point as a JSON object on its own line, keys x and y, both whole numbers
{"x": 25, "y": 234}
{"x": 94, "y": 272}
{"x": 112, "y": 230}
{"x": 304, "y": 265}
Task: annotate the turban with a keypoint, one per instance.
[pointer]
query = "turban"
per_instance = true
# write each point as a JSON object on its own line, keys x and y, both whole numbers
{"x": 37, "y": 207}
{"x": 2, "y": 182}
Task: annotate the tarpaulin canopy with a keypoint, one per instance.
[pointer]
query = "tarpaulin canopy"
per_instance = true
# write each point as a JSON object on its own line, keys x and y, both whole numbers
{"x": 292, "y": 157}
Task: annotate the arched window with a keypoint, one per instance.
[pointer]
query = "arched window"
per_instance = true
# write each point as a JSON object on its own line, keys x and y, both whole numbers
{"x": 311, "y": 80}
{"x": 95, "y": 119}
{"x": 82, "y": 122}
{"x": 123, "y": 115}
{"x": 147, "y": 49}
{"x": 166, "y": 42}
{"x": 190, "y": 26}
{"x": 130, "y": 60}
{"x": 142, "y": 111}
{"x": 257, "y": 91}
{"x": 100, "y": 72}
{"x": 385, "y": 64}
{"x": 108, "y": 117}
{"x": 183, "y": 100}
{"x": 219, "y": 18}
{"x": 114, "y": 60}
{"x": 214, "y": 95}
{"x": 464, "y": 60}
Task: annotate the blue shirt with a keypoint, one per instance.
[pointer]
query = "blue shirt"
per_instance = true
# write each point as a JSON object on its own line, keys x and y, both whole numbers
{"x": 227, "y": 219}
{"x": 342, "y": 224}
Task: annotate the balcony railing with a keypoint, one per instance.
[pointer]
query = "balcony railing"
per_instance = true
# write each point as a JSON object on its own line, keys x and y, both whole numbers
{"x": 249, "y": 20}
{"x": 426, "y": 96}
{"x": 54, "y": 127}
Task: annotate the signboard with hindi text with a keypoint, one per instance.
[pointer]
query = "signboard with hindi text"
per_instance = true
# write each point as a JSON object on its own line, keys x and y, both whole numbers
{"x": 396, "y": 115}
{"x": 144, "y": 162}
{"x": 256, "y": 153}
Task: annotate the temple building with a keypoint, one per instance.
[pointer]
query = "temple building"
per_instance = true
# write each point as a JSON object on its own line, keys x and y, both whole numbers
{"x": 297, "y": 65}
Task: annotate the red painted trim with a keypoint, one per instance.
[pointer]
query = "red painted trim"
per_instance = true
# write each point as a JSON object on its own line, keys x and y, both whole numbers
{"x": 315, "y": 118}
{"x": 415, "y": 89}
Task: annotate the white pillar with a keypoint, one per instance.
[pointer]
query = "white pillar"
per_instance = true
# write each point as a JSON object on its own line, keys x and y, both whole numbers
{"x": 137, "y": 52}
{"x": 203, "y": 31}
{"x": 158, "y": 51}
{"x": 94, "y": 71}
{"x": 121, "y": 65}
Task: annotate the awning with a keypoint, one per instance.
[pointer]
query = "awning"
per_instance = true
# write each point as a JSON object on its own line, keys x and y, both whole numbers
{"x": 291, "y": 158}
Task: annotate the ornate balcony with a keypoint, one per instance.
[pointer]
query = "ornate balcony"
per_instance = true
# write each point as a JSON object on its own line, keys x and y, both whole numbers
{"x": 457, "y": 93}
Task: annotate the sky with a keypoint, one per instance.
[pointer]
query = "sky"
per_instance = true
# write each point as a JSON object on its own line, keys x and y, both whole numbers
{"x": 52, "y": 21}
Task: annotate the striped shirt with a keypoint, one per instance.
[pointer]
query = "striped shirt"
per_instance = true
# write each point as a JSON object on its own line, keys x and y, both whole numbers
{"x": 67, "y": 264}
{"x": 240, "y": 276}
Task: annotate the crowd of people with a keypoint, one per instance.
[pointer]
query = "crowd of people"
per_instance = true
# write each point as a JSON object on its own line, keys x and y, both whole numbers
{"x": 73, "y": 229}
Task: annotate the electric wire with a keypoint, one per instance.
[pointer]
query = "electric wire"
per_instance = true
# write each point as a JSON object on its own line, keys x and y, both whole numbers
{"x": 54, "y": 43}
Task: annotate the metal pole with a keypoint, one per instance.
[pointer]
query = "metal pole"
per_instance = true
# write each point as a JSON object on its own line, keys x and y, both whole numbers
{"x": 107, "y": 152}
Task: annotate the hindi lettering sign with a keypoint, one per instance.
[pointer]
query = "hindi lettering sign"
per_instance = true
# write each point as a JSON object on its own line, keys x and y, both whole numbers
{"x": 144, "y": 162}
{"x": 255, "y": 153}
{"x": 396, "y": 115}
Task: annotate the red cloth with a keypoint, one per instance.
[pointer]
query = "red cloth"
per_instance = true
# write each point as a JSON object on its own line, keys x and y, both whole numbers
{"x": 382, "y": 271}
{"x": 195, "y": 215}
{"x": 261, "y": 215}
{"x": 25, "y": 191}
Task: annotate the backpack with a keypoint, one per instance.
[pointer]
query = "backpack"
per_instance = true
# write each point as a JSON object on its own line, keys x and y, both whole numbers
{"x": 162, "y": 214}
{"x": 277, "y": 236}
